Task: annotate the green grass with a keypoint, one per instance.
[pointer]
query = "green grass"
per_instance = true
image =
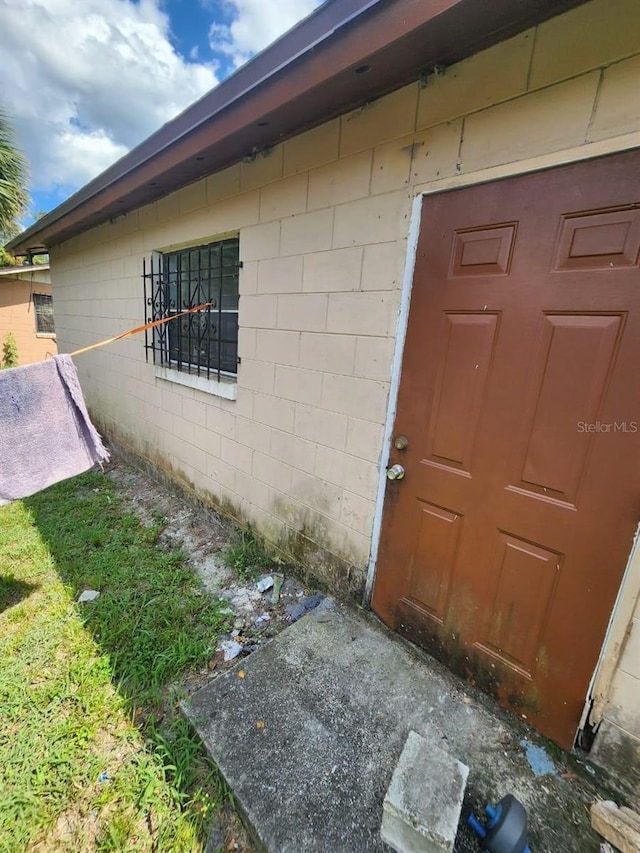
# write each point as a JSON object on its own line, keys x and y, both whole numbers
{"x": 94, "y": 754}
{"x": 248, "y": 556}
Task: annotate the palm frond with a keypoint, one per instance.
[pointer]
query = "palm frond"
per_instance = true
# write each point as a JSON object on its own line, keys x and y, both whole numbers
{"x": 13, "y": 177}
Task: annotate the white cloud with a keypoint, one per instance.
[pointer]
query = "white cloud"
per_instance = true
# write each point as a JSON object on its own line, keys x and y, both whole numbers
{"x": 86, "y": 81}
{"x": 79, "y": 156}
{"x": 256, "y": 23}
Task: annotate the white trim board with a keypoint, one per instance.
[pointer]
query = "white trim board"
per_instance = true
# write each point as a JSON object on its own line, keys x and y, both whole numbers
{"x": 227, "y": 388}
{"x": 401, "y": 332}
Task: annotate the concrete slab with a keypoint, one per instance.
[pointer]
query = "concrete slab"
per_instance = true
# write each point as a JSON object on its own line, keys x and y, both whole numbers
{"x": 421, "y": 809}
{"x": 308, "y": 730}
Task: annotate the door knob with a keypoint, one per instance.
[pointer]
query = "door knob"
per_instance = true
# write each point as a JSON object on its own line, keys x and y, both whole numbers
{"x": 396, "y": 472}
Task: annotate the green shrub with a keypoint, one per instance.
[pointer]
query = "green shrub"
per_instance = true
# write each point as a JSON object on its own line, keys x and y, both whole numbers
{"x": 10, "y": 351}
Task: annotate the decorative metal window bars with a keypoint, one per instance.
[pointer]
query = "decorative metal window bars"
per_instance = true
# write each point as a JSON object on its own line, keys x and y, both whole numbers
{"x": 204, "y": 343}
{"x": 43, "y": 306}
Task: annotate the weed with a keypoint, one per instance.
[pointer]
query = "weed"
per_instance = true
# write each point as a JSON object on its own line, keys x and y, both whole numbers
{"x": 75, "y": 771}
{"x": 248, "y": 556}
{"x": 9, "y": 351}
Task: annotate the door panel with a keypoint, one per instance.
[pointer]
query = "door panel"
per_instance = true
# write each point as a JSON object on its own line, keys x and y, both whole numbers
{"x": 525, "y": 578}
{"x": 459, "y": 391}
{"x": 438, "y": 531}
{"x": 503, "y": 548}
{"x": 573, "y": 366}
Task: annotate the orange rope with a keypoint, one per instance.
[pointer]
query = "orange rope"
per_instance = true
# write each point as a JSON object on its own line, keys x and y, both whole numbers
{"x": 141, "y": 328}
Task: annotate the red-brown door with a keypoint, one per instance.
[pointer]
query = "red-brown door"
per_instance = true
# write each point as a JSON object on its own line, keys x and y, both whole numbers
{"x": 503, "y": 547}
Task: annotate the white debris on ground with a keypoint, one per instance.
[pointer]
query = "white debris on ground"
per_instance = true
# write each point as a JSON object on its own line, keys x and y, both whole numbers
{"x": 88, "y": 595}
{"x": 230, "y": 649}
{"x": 260, "y": 614}
{"x": 243, "y": 599}
{"x": 264, "y": 584}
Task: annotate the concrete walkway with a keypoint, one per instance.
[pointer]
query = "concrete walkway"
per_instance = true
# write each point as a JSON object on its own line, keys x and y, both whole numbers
{"x": 307, "y": 732}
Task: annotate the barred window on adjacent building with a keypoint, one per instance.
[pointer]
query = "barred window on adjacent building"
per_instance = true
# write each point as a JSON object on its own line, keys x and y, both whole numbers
{"x": 204, "y": 343}
{"x": 43, "y": 307}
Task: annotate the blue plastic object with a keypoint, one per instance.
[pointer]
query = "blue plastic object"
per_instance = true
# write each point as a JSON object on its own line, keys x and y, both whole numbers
{"x": 505, "y": 828}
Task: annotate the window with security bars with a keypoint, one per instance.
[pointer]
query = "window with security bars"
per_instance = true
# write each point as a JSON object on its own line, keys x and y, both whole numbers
{"x": 204, "y": 343}
{"x": 43, "y": 307}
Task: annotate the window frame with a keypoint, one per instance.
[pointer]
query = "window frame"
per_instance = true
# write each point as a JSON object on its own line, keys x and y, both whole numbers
{"x": 193, "y": 286}
{"x": 39, "y": 316}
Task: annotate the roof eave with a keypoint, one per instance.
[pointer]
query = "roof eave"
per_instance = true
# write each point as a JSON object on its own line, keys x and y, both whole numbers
{"x": 305, "y": 78}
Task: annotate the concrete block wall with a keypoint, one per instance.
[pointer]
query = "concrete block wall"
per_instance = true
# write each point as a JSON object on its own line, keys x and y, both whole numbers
{"x": 625, "y": 695}
{"x": 617, "y": 694}
{"x": 323, "y": 223}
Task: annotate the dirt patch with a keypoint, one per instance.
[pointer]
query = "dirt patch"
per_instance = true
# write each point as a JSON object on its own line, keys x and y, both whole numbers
{"x": 261, "y": 606}
{"x": 202, "y": 535}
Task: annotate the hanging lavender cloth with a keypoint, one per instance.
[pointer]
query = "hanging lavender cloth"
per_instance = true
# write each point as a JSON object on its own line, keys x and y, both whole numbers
{"x": 45, "y": 431}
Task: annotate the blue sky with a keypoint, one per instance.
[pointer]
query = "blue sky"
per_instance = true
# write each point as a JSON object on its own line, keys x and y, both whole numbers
{"x": 86, "y": 80}
{"x": 191, "y": 22}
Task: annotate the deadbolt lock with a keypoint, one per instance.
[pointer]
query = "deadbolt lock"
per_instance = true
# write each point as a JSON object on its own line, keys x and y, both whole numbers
{"x": 401, "y": 442}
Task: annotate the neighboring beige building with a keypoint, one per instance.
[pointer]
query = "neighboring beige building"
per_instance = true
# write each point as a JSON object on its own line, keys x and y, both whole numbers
{"x": 521, "y": 584}
{"x": 26, "y": 309}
